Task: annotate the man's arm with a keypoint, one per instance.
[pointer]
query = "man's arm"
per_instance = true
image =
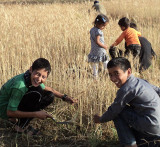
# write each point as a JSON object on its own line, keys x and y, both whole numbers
{"x": 96, "y": 118}
{"x": 122, "y": 99}
{"x": 157, "y": 89}
{"x": 21, "y": 114}
{"x": 119, "y": 40}
{"x": 59, "y": 95}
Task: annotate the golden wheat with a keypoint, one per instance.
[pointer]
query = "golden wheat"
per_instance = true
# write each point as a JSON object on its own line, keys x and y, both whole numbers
{"x": 60, "y": 33}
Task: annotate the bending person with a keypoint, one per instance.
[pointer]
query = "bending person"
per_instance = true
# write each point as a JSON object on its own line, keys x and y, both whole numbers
{"x": 24, "y": 96}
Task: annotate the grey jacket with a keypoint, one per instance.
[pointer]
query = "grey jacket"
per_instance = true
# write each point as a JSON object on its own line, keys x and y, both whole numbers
{"x": 142, "y": 97}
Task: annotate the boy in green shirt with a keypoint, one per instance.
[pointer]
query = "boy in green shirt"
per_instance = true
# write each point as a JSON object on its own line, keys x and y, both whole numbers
{"x": 25, "y": 95}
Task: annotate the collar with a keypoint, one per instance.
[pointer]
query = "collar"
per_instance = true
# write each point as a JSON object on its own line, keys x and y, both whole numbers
{"x": 129, "y": 79}
{"x": 27, "y": 78}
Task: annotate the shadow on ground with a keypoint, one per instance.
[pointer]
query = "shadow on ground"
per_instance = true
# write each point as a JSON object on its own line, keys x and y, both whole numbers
{"x": 10, "y": 138}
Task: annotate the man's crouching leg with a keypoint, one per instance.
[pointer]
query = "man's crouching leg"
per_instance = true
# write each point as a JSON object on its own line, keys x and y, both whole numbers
{"x": 34, "y": 101}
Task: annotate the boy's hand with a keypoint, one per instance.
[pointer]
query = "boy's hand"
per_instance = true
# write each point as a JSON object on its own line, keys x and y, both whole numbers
{"x": 114, "y": 44}
{"x": 105, "y": 47}
{"x": 42, "y": 115}
{"x": 71, "y": 100}
{"x": 96, "y": 118}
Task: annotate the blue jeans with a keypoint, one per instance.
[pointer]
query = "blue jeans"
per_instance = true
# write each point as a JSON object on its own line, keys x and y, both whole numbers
{"x": 127, "y": 126}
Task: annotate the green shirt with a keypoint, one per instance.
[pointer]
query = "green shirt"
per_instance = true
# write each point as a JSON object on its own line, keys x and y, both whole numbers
{"x": 11, "y": 94}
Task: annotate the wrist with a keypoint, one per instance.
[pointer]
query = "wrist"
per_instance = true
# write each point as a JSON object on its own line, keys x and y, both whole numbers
{"x": 64, "y": 97}
{"x": 35, "y": 114}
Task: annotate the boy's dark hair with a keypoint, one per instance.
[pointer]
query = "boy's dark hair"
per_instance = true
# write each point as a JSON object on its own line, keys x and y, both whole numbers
{"x": 95, "y": 2}
{"x": 101, "y": 19}
{"x": 124, "y": 22}
{"x": 41, "y": 63}
{"x": 133, "y": 25}
{"x": 121, "y": 62}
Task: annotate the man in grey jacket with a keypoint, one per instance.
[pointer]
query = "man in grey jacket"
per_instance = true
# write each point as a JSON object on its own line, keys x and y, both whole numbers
{"x": 136, "y": 107}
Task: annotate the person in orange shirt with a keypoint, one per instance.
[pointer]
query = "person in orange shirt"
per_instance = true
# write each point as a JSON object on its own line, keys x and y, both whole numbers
{"x": 131, "y": 38}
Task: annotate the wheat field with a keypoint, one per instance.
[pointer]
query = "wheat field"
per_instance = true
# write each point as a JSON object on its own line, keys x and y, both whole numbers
{"x": 59, "y": 32}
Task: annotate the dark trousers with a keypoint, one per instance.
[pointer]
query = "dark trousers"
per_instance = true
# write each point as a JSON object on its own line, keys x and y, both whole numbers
{"x": 144, "y": 140}
{"x": 35, "y": 99}
{"x": 130, "y": 131}
{"x": 115, "y": 52}
{"x": 134, "y": 49}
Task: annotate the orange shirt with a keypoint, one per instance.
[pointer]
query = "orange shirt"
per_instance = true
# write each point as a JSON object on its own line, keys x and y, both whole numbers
{"x": 130, "y": 35}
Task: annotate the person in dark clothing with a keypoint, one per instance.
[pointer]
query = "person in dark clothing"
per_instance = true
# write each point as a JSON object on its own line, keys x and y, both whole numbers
{"x": 99, "y": 8}
{"x": 146, "y": 53}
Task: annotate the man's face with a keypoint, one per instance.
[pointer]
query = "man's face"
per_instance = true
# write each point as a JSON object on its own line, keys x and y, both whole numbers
{"x": 118, "y": 76}
{"x": 38, "y": 76}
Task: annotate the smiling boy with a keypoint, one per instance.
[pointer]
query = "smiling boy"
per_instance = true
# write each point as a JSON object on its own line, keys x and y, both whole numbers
{"x": 136, "y": 107}
{"x": 24, "y": 96}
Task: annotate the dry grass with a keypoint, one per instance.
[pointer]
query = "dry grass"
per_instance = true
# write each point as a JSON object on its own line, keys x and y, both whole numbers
{"x": 60, "y": 33}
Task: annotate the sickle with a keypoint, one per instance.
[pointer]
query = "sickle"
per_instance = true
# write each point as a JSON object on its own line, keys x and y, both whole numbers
{"x": 64, "y": 122}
